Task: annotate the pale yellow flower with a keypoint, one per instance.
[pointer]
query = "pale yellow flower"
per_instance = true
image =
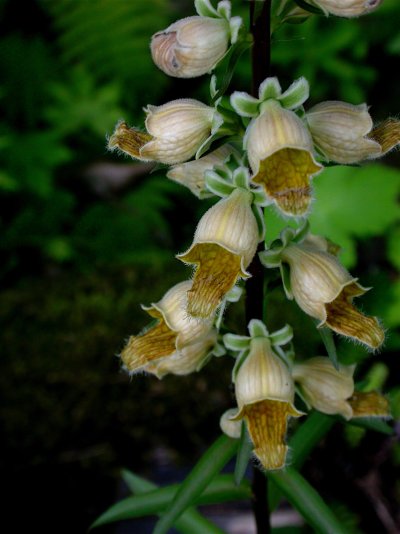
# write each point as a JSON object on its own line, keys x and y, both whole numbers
{"x": 280, "y": 151}
{"x": 224, "y": 244}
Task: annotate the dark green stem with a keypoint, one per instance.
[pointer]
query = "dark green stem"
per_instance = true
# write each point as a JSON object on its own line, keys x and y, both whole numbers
{"x": 260, "y": 29}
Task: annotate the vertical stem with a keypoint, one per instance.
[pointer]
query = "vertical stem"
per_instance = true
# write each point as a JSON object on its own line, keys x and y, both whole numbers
{"x": 260, "y": 29}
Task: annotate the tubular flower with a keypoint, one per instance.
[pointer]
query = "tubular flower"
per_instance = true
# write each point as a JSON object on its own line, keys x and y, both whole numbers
{"x": 347, "y": 8}
{"x": 191, "y": 173}
{"x": 173, "y": 332}
{"x": 324, "y": 289}
{"x": 339, "y": 131}
{"x": 191, "y": 47}
{"x": 325, "y": 388}
{"x": 224, "y": 244}
{"x": 175, "y": 131}
{"x": 280, "y": 152}
{"x": 188, "y": 359}
{"x": 264, "y": 391}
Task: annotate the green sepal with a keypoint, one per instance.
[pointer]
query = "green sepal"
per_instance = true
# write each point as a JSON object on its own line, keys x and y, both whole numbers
{"x": 282, "y": 336}
{"x": 235, "y": 24}
{"x": 238, "y": 363}
{"x": 270, "y": 88}
{"x": 204, "y": 8}
{"x": 236, "y": 343}
{"x": 329, "y": 342}
{"x": 258, "y": 214}
{"x": 257, "y": 328}
{"x": 217, "y": 185}
{"x": 260, "y": 197}
{"x": 311, "y": 8}
{"x": 244, "y": 104}
{"x": 285, "y": 275}
{"x": 270, "y": 258}
{"x": 234, "y": 294}
{"x": 224, "y": 9}
{"x": 296, "y": 94}
{"x": 241, "y": 177}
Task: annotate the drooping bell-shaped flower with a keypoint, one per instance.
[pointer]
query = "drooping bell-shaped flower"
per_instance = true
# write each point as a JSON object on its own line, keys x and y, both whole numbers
{"x": 264, "y": 390}
{"x": 224, "y": 244}
{"x": 175, "y": 131}
{"x": 324, "y": 387}
{"x": 340, "y": 131}
{"x": 173, "y": 332}
{"x": 190, "y": 47}
{"x": 347, "y": 8}
{"x": 321, "y": 286}
{"x": 324, "y": 289}
{"x": 280, "y": 152}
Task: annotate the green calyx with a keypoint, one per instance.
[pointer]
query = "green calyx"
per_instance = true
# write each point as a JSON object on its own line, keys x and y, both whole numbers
{"x": 204, "y": 8}
{"x": 257, "y": 330}
{"x": 246, "y": 105}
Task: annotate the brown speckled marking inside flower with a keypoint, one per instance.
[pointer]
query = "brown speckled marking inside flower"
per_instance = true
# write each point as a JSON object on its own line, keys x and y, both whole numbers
{"x": 129, "y": 140}
{"x": 157, "y": 342}
{"x": 286, "y": 177}
{"x": 267, "y": 421}
{"x": 370, "y": 404}
{"x": 216, "y": 273}
{"x": 345, "y": 319}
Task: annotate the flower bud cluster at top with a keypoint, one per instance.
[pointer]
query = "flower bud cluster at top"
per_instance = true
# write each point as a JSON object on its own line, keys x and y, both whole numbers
{"x": 269, "y": 150}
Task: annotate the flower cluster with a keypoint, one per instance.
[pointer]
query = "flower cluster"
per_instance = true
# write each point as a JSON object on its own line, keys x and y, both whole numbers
{"x": 270, "y": 148}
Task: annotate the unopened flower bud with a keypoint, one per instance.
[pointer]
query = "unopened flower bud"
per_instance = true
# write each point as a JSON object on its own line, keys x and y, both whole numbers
{"x": 224, "y": 244}
{"x": 280, "y": 152}
{"x": 264, "y": 391}
{"x": 324, "y": 387}
{"x": 324, "y": 289}
{"x": 339, "y": 131}
{"x": 191, "y": 173}
{"x": 190, "y": 47}
{"x": 173, "y": 331}
{"x": 347, "y": 8}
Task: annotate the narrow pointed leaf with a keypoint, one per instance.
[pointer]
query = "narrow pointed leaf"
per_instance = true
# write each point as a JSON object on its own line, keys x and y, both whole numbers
{"x": 243, "y": 455}
{"x": 216, "y": 457}
{"x": 370, "y": 423}
{"x": 150, "y": 500}
{"x": 307, "y": 501}
{"x": 191, "y": 522}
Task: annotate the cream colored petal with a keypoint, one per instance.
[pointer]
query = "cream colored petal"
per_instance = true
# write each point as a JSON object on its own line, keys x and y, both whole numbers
{"x": 263, "y": 375}
{"x": 190, "y": 47}
{"x": 316, "y": 278}
{"x": 339, "y": 131}
{"x": 324, "y": 387}
{"x": 348, "y": 8}
{"x": 129, "y": 140}
{"x": 229, "y": 426}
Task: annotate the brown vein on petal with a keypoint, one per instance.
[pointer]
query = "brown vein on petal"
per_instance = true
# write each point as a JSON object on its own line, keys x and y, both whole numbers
{"x": 129, "y": 140}
{"x": 267, "y": 422}
{"x": 387, "y": 134}
{"x": 157, "y": 342}
{"x": 216, "y": 273}
{"x": 286, "y": 177}
{"x": 370, "y": 404}
{"x": 345, "y": 319}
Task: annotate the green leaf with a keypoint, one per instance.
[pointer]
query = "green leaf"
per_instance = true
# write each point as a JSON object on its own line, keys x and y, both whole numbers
{"x": 243, "y": 455}
{"x": 355, "y": 204}
{"x": 197, "y": 481}
{"x": 376, "y": 424}
{"x": 307, "y": 501}
{"x": 151, "y": 500}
